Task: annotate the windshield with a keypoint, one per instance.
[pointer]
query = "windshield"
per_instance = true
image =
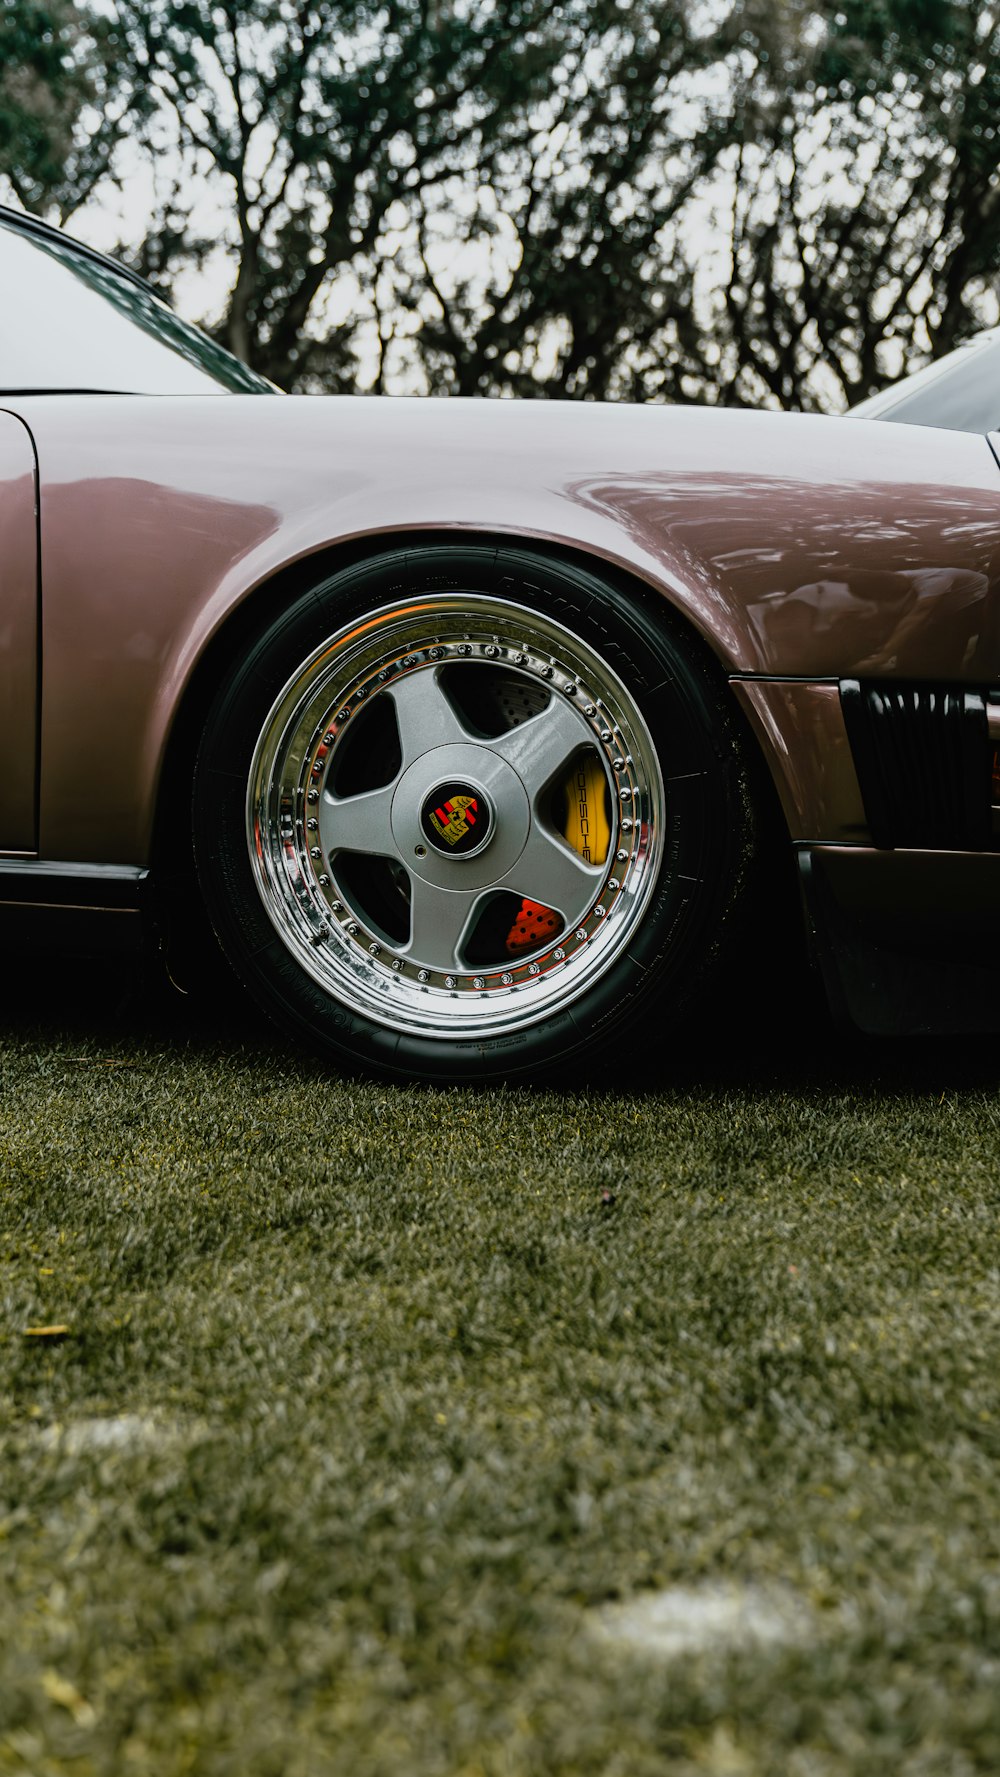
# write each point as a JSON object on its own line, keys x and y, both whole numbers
{"x": 71, "y": 320}
{"x": 960, "y": 391}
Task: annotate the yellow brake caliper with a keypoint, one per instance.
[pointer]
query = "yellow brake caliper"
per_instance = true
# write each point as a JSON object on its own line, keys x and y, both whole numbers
{"x": 588, "y": 830}
{"x": 587, "y": 826}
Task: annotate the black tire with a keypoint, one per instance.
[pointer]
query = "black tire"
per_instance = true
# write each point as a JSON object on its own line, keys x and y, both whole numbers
{"x": 339, "y": 976}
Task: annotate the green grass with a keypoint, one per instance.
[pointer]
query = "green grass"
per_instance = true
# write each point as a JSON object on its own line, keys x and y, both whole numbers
{"x": 407, "y": 1386}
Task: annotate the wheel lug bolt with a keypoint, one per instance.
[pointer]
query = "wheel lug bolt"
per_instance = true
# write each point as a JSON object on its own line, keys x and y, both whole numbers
{"x": 626, "y": 826}
{"x": 342, "y": 715}
{"x": 374, "y": 949}
{"x": 423, "y": 975}
{"x": 559, "y": 954}
{"x": 600, "y": 912}
{"x": 397, "y": 965}
{"x": 614, "y": 885}
{"x": 581, "y": 933}
{"x": 619, "y": 764}
{"x": 546, "y": 672}
{"x": 328, "y": 739}
{"x": 589, "y": 710}
{"x": 362, "y": 691}
{"x": 434, "y": 653}
{"x": 324, "y": 880}
{"x": 506, "y": 980}
{"x": 622, "y": 856}
{"x": 478, "y": 981}
{"x": 312, "y": 823}
{"x": 449, "y": 980}
{"x": 625, "y": 793}
{"x": 519, "y": 659}
{"x": 352, "y": 929}
{"x": 491, "y": 650}
{"x": 533, "y": 969}
{"x": 465, "y": 647}
{"x": 315, "y": 852}
{"x": 605, "y": 734}
{"x": 337, "y": 906}
{"x": 313, "y": 796}
{"x": 570, "y": 690}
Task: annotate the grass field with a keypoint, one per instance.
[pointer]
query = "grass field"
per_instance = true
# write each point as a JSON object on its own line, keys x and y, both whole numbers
{"x": 649, "y": 1428}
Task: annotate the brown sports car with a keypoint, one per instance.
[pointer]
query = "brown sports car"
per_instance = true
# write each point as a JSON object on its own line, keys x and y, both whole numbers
{"x": 476, "y": 726}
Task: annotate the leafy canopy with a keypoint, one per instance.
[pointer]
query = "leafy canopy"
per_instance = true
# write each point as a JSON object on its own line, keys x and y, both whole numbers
{"x": 743, "y": 202}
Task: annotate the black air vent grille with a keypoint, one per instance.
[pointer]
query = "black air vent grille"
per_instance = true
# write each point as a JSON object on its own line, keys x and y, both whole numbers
{"x": 923, "y": 763}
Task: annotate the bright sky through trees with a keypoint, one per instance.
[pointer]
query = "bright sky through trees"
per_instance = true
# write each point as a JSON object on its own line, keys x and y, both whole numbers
{"x": 735, "y": 201}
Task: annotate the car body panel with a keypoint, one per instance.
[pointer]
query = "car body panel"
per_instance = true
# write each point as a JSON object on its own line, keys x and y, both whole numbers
{"x": 798, "y": 546}
{"x": 802, "y": 734}
{"x": 18, "y": 638}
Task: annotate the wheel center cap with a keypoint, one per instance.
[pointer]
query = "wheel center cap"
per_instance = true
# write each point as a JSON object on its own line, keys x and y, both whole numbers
{"x": 456, "y": 818}
{"x": 476, "y": 782}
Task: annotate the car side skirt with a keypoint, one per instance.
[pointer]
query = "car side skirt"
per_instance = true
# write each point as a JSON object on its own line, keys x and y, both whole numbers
{"x": 903, "y": 939}
{"x": 77, "y": 908}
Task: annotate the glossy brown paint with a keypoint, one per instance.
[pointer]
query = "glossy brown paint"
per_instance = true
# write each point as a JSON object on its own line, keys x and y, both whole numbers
{"x": 18, "y": 637}
{"x": 801, "y": 730}
{"x": 796, "y": 545}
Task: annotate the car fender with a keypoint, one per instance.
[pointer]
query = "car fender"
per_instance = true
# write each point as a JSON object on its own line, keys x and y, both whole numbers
{"x": 797, "y": 546}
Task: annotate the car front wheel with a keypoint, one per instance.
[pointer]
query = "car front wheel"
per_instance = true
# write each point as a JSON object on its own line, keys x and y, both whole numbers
{"x": 462, "y": 813}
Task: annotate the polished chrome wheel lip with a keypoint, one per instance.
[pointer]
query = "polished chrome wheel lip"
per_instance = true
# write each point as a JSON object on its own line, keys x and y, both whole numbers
{"x": 297, "y": 879}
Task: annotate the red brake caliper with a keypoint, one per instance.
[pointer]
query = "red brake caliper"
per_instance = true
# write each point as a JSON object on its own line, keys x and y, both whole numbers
{"x": 533, "y": 924}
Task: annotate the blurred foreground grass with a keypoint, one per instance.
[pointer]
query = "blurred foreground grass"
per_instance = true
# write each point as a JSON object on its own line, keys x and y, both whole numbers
{"x": 372, "y": 1401}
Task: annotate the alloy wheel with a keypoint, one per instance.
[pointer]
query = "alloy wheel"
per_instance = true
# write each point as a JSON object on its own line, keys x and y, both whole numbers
{"x": 455, "y": 816}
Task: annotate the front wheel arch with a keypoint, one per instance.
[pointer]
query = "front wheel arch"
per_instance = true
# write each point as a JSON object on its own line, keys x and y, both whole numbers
{"x": 675, "y": 685}
{"x": 171, "y": 819}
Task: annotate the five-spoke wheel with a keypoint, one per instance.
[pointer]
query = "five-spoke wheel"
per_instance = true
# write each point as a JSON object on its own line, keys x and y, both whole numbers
{"x": 464, "y": 800}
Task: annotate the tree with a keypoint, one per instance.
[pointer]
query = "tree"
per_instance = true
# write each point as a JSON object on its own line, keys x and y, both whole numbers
{"x": 59, "y": 117}
{"x": 865, "y": 197}
{"x": 483, "y": 189}
{"x": 648, "y": 199}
